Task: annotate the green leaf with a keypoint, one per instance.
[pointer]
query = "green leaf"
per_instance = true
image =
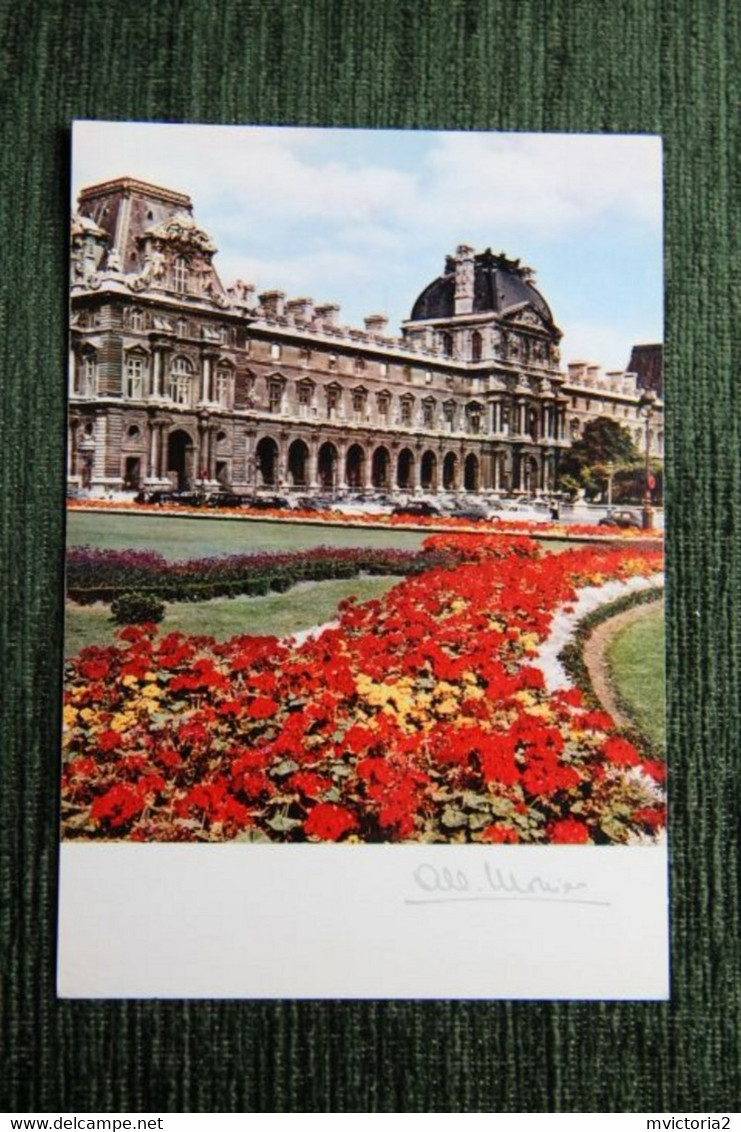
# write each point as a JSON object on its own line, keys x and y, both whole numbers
{"x": 286, "y": 767}
{"x": 453, "y": 819}
{"x": 282, "y": 824}
{"x": 478, "y": 821}
{"x": 475, "y": 801}
{"x": 251, "y": 835}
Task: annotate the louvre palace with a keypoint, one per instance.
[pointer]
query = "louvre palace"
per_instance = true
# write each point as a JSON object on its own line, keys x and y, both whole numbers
{"x": 177, "y": 380}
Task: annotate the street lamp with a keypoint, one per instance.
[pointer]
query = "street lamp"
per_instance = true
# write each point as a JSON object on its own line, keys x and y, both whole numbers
{"x": 646, "y": 406}
{"x": 610, "y": 470}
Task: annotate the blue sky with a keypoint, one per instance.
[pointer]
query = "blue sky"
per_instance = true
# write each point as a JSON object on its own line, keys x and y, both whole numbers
{"x": 365, "y": 218}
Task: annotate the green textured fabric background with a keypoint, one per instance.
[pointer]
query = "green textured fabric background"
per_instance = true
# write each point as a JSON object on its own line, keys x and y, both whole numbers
{"x": 671, "y": 67}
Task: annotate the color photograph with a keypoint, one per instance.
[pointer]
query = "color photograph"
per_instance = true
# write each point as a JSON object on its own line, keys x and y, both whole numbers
{"x": 382, "y": 564}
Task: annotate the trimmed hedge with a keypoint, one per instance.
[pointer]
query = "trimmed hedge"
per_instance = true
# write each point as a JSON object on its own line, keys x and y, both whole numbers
{"x": 104, "y": 575}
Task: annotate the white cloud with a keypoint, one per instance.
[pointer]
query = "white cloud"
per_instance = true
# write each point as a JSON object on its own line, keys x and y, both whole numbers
{"x": 549, "y": 182}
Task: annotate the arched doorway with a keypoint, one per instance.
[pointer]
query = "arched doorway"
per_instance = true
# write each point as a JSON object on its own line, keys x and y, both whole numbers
{"x": 267, "y": 461}
{"x": 428, "y": 471}
{"x": 471, "y": 473}
{"x": 355, "y": 467}
{"x": 327, "y": 467}
{"x": 380, "y": 467}
{"x": 450, "y": 472}
{"x": 180, "y": 451}
{"x": 405, "y": 469}
{"x": 298, "y": 460}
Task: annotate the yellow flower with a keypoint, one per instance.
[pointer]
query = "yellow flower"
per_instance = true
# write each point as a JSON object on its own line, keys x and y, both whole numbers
{"x": 129, "y": 680}
{"x": 69, "y": 715}
{"x": 122, "y": 720}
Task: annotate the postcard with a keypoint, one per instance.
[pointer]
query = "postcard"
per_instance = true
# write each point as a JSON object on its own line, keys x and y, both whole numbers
{"x": 364, "y": 684}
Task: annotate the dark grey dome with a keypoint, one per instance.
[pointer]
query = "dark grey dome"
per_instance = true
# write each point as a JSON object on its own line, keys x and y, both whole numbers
{"x": 499, "y": 284}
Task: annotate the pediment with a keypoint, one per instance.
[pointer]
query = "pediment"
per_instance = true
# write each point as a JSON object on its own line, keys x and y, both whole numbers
{"x": 524, "y": 314}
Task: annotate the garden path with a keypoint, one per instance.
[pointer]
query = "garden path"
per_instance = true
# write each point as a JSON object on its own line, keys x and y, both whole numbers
{"x": 595, "y": 657}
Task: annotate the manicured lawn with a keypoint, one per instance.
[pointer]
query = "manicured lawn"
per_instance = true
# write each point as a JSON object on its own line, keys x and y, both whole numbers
{"x": 637, "y": 668}
{"x": 177, "y": 538}
{"x": 306, "y": 605}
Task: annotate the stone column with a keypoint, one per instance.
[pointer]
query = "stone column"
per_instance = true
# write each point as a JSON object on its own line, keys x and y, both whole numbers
{"x": 205, "y": 396}
{"x": 417, "y": 471}
{"x": 313, "y": 464}
{"x": 342, "y": 461}
{"x": 154, "y": 447}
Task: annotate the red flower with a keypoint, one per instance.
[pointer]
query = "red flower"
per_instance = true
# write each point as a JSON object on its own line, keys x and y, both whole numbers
{"x": 569, "y": 832}
{"x": 109, "y": 740}
{"x": 117, "y": 806}
{"x": 96, "y": 669}
{"x": 262, "y": 707}
{"x": 500, "y": 835}
{"x": 329, "y": 822}
{"x": 309, "y": 784}
{"x": 620, "y": 752}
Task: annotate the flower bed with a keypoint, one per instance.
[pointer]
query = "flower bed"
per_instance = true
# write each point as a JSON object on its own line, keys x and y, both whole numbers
{"x": 559, "y": 530}
{"x": 421, "y": 717}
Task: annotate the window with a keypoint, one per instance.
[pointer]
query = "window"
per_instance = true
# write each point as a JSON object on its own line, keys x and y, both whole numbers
{"x": 359, "y": 365}
{"x": 446, "y": 344}
{"x": 449, "y": 415}
{"x": 383, "y": 369}
{"x": 181, "y": 373}
{"x": 181, "y": 328}
{"x": 133, "y": 432}
{"x": 275, "y": 351}
{"x": 305, "y": 391}
{"x": 474, "y": 418}
{"x": 475, "y": 346}
{"x": 223, "y": 386}
{"x": 406, "y": 411}
{"x": 136, "y": 368}
{"x": 358, "y": 404}
{"x": 89, "y": 374}
{"x": 428, "y": 414}
{"x": 333, "y": 401}
{"x": 383, "y": 401}
{"x": 180, "y": 274}
{"x": 275, "y": 396}
{"x": 136, "y": 319}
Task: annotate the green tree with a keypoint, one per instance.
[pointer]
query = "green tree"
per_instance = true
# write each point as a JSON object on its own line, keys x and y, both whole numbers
{"x": 603, "y": 442}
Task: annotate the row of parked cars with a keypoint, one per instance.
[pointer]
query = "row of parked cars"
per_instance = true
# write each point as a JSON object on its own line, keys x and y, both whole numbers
{"x": 471, "y": 507}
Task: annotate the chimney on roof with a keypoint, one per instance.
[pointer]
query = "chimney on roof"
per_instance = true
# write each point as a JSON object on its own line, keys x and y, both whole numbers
{"x": 376, "y": 324}
{"x": 328, "y": 314}
{"x": 300, "y": 310}
{"x": 273, "y": 303}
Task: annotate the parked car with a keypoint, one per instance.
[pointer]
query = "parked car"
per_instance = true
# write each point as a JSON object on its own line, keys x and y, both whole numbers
{"x": 269, "y": 502}
{"x": 620, "y": 519}
{"x": 472, "y": 511}
{"x": 174, "y": 498}
{"x": 418, "y": 509}
{"x": 229, "y": 499}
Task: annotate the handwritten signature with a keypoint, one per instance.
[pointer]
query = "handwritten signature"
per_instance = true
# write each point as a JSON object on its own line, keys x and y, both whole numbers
{"x": 456, "y": 886}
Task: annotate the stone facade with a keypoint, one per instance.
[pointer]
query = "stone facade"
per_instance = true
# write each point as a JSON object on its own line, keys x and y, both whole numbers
{"x": 177, "y": 380}
{"x": 618, "y": 395}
